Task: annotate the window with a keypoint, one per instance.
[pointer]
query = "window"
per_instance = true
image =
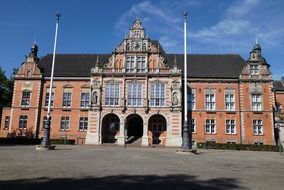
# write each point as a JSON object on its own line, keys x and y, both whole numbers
{"x": 257, "y": 127}
{"x": 135, "y": 64}
{"x": 256, "y": 102}
{"x": 85, "y": 99}
{"x": 230, "y": 126}
{"x": 26, "y": 98}
{"x": 7, "y": 122}
{"x": 29, "y": 73}
{"x": 47, "y": 97}
{"x": 230, "y": 102}
{"x": 23, "y": 121}
{"x": 64, "y": 125}
{"x": 66, "y": 99}
{"x": 141, "y": 64}
{"x": 258, "y": 143}
{"x": 210, "y": 101}
{"x": 231, "y": 142}
{"x": 157, "y": 98}
{"x": 192, "y": 125}
{"x": 191, "y": 100}
{"x": 254, "y": 70}
{"x": 210, "y": 126}
{"x": 130, "y": 64}
{"x": 112, "y": 94}
{"x": 83, "y": 124}
{"x": 134, "y": 95}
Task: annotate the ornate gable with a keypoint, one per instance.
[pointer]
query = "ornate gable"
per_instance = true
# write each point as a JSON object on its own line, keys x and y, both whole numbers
{"x": 137, "y": 54}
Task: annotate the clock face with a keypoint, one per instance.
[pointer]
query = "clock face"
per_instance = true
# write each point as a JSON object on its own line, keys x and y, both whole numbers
{"x": 136, "y": 45}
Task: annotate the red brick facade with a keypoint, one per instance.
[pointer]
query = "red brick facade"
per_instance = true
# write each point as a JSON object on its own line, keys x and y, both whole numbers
{"x": 115, "y": 101}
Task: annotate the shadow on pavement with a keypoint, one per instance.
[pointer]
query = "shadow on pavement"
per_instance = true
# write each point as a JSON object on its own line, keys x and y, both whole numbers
{"x": 123, "y": 182}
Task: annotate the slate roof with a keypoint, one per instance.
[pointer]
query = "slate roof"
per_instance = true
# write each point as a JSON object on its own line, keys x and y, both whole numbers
{"x": 278, "y": 85}
{"x": 199, "y": 65}
{"x": 71, "y": 65}
{"x": 209, "y": 65}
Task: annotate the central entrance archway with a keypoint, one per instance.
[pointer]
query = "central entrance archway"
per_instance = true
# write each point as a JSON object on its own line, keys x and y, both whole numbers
{"x": 134, "y": 129}
{"x": 110, "y": 127}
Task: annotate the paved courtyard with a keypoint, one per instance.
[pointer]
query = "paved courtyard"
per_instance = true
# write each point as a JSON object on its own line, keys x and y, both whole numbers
{"x": 108, "y": 167}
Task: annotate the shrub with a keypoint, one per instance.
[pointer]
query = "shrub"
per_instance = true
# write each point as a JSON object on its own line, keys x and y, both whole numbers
{"x": 251, "y": 147}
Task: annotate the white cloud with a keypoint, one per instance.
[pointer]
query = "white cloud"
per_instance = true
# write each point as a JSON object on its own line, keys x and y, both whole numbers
{"x": 158, "y": 17}
{"x": 145, "y": 9}
{"x": 241, "y": 8}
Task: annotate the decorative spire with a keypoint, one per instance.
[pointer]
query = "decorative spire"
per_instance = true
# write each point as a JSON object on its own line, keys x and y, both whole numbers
{"x": 175, "y": 61}
{"x": 97, "y": 59}
{"x": 34, "y": 50}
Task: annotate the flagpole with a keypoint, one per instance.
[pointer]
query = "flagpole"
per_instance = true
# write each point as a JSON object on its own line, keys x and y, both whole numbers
{"x": 45, "y": 144}
{"x": 186, "y": 144}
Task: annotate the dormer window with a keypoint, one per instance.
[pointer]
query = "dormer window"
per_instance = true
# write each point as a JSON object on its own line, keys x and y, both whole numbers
{"x": 254, "y": 70}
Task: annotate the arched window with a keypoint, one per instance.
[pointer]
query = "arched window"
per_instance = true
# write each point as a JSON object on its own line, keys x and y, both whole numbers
{"x": 29, "y": 73}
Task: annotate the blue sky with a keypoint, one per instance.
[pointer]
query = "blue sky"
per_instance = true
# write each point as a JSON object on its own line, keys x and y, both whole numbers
{"x": 98, "y": 26}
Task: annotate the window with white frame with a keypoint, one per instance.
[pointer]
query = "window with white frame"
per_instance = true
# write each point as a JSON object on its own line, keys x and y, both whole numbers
{"x": 254, "y": 70}
{"x": 23, "y": 121}
{"x": 191, "y": 100}
{"x": 85, "y": 100}
{"x": 210, "y": 101}
{"x": 157, "y": 98}
{"x": 67, "y": 97}
{"x": 193, "y": 125}
{"x": 257, "y": 127}
{"x": 64, "y": 124}
{"x": 230, "y": 126}
{"x": 135, "y": 64}
{"x": 258, "y": 143}
{"x": 47, "y": 97}
{"x": 231, "y": 142}
{"x": 256, "y": 102}
{"x": 230, "y": 102}
{"x": 26, "y": 95}
{"x": 112, "y": 94}
{"x": 134, "y": 94}
{"x": 130, "y": 64}
{"x": 141, "y": 64}
{"x": 210, "y": 126}
{"x": 83, "y": 124}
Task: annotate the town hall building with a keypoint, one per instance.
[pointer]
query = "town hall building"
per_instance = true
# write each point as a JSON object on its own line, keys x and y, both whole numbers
{"x": 134, "y": 95}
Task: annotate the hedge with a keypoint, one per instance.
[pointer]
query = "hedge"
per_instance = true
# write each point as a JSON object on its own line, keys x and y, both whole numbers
{"x": 251, "y": 147}
{"x": 26, "y": 141}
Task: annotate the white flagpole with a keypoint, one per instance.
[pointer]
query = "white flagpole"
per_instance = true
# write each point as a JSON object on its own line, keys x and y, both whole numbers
{"x": 186, "y": 144}
{"x": 46, "y": 138}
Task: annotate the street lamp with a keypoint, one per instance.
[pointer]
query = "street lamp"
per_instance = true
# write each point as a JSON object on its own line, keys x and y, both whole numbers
{"x": 45, "y": 143}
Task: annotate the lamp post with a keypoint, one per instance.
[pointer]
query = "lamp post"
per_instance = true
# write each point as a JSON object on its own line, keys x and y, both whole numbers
{"x": 45, "y": 144}
{"x": 186, "y": 143}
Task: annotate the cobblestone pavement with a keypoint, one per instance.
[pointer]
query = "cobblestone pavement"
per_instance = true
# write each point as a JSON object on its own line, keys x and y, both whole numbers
{"x": 109, "y": 167}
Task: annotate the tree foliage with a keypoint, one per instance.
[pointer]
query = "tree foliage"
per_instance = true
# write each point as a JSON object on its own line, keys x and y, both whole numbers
{"x": 6, "y": 89}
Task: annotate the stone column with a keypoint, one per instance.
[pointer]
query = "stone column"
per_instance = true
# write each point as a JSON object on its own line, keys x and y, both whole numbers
{"x": 145, "y": 141}
{"x": 121, "y": 137}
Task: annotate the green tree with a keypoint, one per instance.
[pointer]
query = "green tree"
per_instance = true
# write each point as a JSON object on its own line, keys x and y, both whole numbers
{"x": 6, "y": 89}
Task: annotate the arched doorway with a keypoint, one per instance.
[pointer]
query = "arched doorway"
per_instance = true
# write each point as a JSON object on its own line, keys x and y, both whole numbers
{"x": 134, "y": 127}
{"x": 157, "y": 129}
{"x": 110, "y": 127}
